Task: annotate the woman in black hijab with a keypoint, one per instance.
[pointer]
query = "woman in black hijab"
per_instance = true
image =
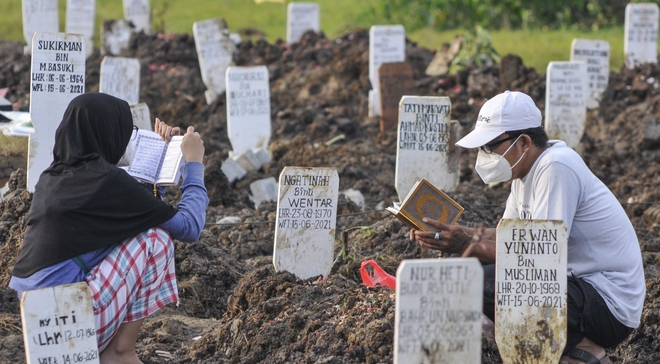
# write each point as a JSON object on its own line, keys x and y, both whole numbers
{"x": 87, "y": 212}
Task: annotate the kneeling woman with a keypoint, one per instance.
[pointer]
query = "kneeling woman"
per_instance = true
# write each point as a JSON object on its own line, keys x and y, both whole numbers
{"x": 90, "y": 221}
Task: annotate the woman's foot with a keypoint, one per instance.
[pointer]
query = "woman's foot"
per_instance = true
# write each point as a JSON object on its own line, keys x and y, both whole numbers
{"x": 112, "y": 357}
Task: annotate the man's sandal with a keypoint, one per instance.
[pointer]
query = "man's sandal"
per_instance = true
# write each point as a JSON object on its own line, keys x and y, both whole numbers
{"x": 586, "y": 357}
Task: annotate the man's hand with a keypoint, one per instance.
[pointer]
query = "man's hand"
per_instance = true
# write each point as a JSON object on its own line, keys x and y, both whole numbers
{"x": 192, "y": 146}
{"x": 165, "y": 131}
{"x": 451, "y": 238}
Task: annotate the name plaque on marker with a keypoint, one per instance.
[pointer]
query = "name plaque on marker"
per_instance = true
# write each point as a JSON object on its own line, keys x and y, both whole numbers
{"x": 120, "y": 77}
{"x": 248, "y": 108}
{"x": 80, "y": 20}
{"x": 640, "y": 41}
{"x": 115, "y": 36}
{"x": 423, "y": 141}
{"x": 58, "y": 325}
{"x": 438, "y": 311}
{"x": 139, "y": 13}
{"x": 566, "y": 101}
{"x": 57, "y": 76}
{"x": 39, "y": 16}
{"x": 141, "y": 116}
{"x": 596, "y": 54}
{"x": 306, "y": 220}
{"x": 214, "y": 50}
{"x": 301, "y": 17}
{"x": 530, "y": 301}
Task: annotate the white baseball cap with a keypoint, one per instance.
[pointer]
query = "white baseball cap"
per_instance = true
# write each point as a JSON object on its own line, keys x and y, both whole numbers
{"x": 508, "y": 111}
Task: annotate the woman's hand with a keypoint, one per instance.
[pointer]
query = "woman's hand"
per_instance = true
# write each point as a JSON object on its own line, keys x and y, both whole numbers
{"x": 165, "y": 131}
{"x": 192, "y": 146}
{"x": 450, "y": 238}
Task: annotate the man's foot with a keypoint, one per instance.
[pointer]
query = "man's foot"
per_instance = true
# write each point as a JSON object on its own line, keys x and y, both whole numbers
{"x": 587, "y": 352}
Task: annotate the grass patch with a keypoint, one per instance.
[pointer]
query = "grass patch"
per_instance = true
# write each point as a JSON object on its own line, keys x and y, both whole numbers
{"x": 536, "y": 47}
{"x": 13, "y": 146}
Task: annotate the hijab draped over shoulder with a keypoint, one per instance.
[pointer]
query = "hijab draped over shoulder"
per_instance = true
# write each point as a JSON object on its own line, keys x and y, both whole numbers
{"x": 83, "y": 201}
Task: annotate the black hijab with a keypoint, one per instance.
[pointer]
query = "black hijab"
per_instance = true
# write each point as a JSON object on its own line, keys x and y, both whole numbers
{"x": 83, "y": 202}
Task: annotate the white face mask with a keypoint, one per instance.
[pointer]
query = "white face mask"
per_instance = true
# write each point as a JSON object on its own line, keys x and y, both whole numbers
{"x": 493, "y": 168}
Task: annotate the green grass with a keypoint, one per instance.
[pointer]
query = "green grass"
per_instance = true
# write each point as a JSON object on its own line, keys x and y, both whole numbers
{"x": 178, "y": 16}
{"x": 536, "y": 47}
{"x": 12, "y": 146}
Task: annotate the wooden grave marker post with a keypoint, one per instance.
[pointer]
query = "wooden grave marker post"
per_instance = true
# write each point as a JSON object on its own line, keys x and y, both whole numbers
{"x": 301, "y": 17}
{"x": 596, "y": 54}
{"x": 80, "y": 16}
{"x": 530, "y": 296}
{"x": 566, "y": 101}
{"x": 115, "y": 35}
{"x": 640, "y": 39}
{"x": 139, "y": 13}
{"x": 57, "y": 76}
{"x": 58, "y": 325}
{"x": 142, "y": 116}
{"x": 438, "y": 311}
{"x": 248, "y": 108}
{"x": 306, "y": 221}
{"x": 214, "y": 51}
{"x": 395, "y": 80}
{"x": 120, "y": 77}
{"x": 387, "y": 44}
{"x": 423, "y": 149}
{"x": 39, "y": 16}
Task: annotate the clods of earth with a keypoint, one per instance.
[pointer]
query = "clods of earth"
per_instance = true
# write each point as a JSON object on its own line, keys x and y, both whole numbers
{"x": 234, "y": 307}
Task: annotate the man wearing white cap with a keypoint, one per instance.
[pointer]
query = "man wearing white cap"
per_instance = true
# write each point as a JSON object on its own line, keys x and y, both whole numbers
{"x": 550, "y": 181}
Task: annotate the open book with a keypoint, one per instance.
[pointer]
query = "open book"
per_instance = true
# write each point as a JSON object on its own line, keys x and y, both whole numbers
{"x": 425, "y": 200}
{"x": 151, "y": 159}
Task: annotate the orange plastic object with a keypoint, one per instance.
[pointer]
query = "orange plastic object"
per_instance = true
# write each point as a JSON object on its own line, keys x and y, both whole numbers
{"x": 377, "y": 276}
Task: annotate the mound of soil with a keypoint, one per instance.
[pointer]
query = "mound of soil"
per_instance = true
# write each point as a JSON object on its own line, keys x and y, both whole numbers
{"x": 234, "y": 307}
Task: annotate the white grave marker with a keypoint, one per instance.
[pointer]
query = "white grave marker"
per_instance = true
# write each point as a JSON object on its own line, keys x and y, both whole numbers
{"x": 235, "y": 38}
{"x": 306, "y": 221}
{"x": 57, "y": 76}
{"x": 58, "y": 325}
{"x": 263, "y": 190}
{"x": 387, "y": 43}
{"x": 530, "y": 302}
{"x": 139, "y": 13}
{"x": 116, "y": 36}
{"x": 142, "y": 116}
{"x": 640, "y": 42}
{"x": 120, "y": 77}
{"x": 596, "y": 54}
{"x": 374, "y": 103}
{"x": 301, "y": 17}
{"x": 423, "y": 144}
{"x": 80, "y": 20}
{"x": 438, "y": 311}
{"x": 214, "y": 51}
{"x": 248, "y": 108}
{"x": 39, "y": 16}
{"x": 565, "y": 101}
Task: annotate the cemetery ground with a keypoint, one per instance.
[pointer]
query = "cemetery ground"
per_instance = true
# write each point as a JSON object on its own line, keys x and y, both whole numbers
{"x": 234, "y": 308}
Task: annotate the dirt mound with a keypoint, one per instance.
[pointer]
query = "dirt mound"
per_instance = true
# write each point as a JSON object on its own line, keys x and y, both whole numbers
{"x": 234, "y": 308}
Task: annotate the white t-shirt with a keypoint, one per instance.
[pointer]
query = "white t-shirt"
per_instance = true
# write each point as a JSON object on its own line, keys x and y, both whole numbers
{"x": 602, "y": 243}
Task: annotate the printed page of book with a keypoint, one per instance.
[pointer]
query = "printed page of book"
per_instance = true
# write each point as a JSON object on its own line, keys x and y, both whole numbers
{"x": 149, "y": 148}
{"x": 171, "y": 163}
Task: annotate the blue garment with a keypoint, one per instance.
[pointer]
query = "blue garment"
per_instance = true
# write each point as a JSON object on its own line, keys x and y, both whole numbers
{"x": 186, "y": 225}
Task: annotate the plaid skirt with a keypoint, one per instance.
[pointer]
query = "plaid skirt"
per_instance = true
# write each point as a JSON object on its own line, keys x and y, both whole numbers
{"x": 135, "y": 280}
